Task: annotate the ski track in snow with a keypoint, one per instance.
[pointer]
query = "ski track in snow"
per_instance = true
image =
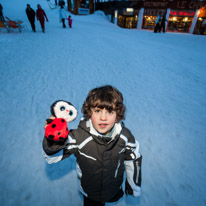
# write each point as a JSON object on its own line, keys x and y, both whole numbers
{"x": 161, "y": 76}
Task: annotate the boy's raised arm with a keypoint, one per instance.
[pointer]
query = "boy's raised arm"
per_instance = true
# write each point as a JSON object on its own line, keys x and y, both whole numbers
{"x": 54, "y": 151}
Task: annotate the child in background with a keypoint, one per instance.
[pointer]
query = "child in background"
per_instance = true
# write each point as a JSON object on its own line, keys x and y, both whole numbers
{"x": 104, "y": 149}
{"x": 70, "y": 21}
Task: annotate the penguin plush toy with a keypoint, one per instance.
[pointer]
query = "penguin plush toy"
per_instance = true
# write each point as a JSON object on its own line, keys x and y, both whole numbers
{"x": 56, "y": 129}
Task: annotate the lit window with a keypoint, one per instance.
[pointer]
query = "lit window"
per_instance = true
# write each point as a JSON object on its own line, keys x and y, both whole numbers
{"x": 129, "y": 9}
{"x": 185, "y": 19}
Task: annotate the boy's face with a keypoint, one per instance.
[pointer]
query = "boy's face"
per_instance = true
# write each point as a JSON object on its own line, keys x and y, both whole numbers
{"x": 103, "y": 120}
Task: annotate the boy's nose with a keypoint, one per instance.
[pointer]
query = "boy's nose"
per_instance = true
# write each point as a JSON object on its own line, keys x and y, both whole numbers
{"x": 103, "y": 115}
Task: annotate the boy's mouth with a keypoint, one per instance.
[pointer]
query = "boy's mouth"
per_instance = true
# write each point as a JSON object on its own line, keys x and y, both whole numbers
{"x": 102, "y": 125}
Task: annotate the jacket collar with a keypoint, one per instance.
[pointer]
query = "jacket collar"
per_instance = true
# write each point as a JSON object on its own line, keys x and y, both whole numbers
{"x": 88, "y": 126}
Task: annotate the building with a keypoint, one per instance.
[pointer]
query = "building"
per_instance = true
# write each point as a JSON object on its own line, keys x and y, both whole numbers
{"x": 182, "y": 16}
{"x": 81, "y": 7}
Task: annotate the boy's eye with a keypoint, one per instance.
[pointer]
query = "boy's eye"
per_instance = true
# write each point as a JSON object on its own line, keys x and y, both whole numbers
{"x": 97, "y": 110}
{"x": 111, "y": 112}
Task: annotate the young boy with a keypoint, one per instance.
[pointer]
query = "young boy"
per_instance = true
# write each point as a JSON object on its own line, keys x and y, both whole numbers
{"x": 103, "y": 147}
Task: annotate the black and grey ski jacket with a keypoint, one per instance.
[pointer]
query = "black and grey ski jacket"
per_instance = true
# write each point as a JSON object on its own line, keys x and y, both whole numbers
{"x": 100, "y": 163}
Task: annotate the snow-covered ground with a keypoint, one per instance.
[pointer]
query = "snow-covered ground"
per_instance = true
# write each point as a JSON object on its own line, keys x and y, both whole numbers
{"x": 162, "y": 78}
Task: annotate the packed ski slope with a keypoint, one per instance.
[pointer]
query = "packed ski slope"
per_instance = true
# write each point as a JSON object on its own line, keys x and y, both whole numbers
{"x": 162, "y": 78}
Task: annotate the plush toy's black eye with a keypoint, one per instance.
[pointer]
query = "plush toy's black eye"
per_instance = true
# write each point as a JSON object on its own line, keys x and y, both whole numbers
{"x": 70, "y": 113}
{"x": 62, "y": 108}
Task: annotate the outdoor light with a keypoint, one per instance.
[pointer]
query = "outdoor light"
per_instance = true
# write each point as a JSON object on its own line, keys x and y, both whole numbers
{"x": 116, "y": 14}
{"x": 129, "y": 9}
{"x": 185, "y": 19}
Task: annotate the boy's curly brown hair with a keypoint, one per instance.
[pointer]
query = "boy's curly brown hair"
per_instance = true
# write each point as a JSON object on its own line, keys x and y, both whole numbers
{"x": 106, "y": 97}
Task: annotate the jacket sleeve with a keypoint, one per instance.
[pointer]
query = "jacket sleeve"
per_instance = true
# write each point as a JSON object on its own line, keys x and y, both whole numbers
{"x": 133, "y": 162}
{"x": 54, "y": 152}
{"x": 33, "y": 13}
{"x": 60, "y": 18}
{"x": 37, "y": 15}
{"x": 27, "y": 13}
{"x": 45, "y": 15}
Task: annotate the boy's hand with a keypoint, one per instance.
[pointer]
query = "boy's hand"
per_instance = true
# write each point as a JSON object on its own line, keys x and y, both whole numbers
{"x": 56, "y": 129}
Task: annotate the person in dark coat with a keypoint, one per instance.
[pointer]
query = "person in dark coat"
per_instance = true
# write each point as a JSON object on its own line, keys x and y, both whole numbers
{"x": 163, "y": 23}
{"x": 41, "y": 15}
{"x": 1, "y": 14}
{"x": 158, "y": 22}
{"x": 31, "y": 16}
{"x": 61, "y": 3}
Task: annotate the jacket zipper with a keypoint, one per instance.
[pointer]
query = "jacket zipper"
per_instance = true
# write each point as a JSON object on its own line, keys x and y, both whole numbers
{"x": 116, "y": 171}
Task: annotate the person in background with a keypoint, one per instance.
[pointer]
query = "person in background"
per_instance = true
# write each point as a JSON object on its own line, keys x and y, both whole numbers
{"x": 41, "y": 15}
{"x": 163, "y": 23}
{"x": 69, "y": 21}
{"x": 104, "y": 149}
{"x": 158, "y": 26}
{"x": 62, "y": 15}
{"x": 1, "y": 14}
{"x": 31, "y": 16}
{"x": 202, "y": 29}
{"x": 61, "y": 3}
